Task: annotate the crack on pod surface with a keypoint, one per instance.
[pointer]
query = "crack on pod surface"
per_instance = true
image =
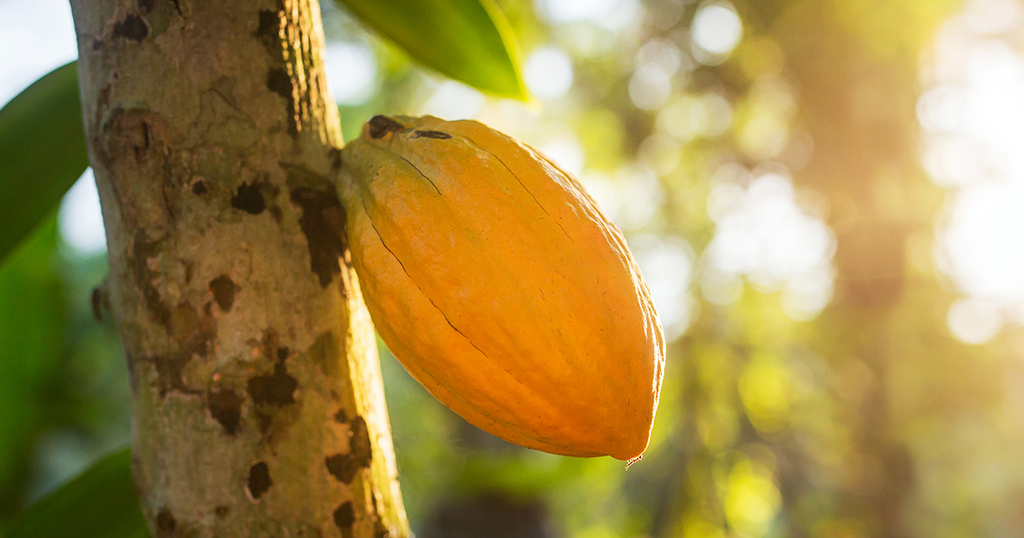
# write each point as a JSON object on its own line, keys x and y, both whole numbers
{"x": 418, "y": 171}
{"x": 400, "y": 264}
{"x": 521, "y": 184}
{"x": 430, "y": 134}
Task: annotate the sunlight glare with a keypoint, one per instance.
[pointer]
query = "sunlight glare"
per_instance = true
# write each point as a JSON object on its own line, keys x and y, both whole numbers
{"x": 351, "y": 72}
{"x": 80, "y": 218}
{"x": 38, "y": 36}
{"x": 764, "y": 235}
{"x": 612, "y": 15}
{"x": 717, "y": 28}
{"x": 974, "y": 322}
{"x": 972, "y": 116}
{"x": 453, "y": 100}
{"x": 548, "y": 72}
{"x": 667, "y": 267}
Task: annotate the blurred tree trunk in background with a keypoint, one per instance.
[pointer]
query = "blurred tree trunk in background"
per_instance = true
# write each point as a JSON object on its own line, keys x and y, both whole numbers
{"x": 868, "y": 169}
{"x": 258, "y": 404}
{"x": 836, "y": 446}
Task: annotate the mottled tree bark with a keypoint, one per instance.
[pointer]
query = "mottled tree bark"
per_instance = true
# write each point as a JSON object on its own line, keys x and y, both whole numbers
{"x": 258, "y": 404}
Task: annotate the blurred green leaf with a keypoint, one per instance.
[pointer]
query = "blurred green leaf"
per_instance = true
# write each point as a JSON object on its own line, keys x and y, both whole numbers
{"x": 101, "y": 503}
{"x": 467, "y": 40}
{"x": 42, "y": 152}
{"x": 32, "y": 338}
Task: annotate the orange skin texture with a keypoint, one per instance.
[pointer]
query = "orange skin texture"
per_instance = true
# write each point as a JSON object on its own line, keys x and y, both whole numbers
{"x": 497, "y": 282}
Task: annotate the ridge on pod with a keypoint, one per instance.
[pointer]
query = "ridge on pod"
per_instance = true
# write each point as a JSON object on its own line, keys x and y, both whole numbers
{"x": 499, "y": 284}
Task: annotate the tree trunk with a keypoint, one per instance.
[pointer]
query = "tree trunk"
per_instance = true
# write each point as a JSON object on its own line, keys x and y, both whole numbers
{"x": 258, "y": 403}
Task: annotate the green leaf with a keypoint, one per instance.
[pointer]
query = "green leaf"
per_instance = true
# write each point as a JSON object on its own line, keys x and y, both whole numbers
{"x": 101, "y": 503}
{"x": 33, "y": 325}
{"x": 42, "y": 152}
{"x": 467, "y": 40}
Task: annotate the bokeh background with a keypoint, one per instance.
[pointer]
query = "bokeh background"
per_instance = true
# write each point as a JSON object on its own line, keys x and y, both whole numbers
{"x": 826, "y": 198}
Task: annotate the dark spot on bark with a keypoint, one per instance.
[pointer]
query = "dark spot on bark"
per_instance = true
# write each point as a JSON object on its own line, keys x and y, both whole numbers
{"x": 269, "y": 342}
{"x": 336, "y": 159}
{"x": 132, "y": 27}
{"x": 359, "y": 442}
{"x": 359, "y": 446}
{"x": 190, "y": 271}
{"x": 192, "y": 330}
{"x": 342, "y": 466}
{"x": 249, "y": 198}
{"x": 225, "y": 406}
{"x": 223, "y": 289}
{"x": 145, "y": 6}
{"x": 221, "y": 511}
{"x": 323, "y": 224}
{"x": 431, "y": 134}
{"x": 169, "y": 372}
{"x": 199, "y": 188}
{"x": 280, "y": 83}
{"x": 103, "y": 101}
{"x": 136, "y": 134}
{"x": 259, "y": 479}
{"x": 276, "y": 389}
{"x": 379, "y": 530}
{"x": 272, "y": 394}
{"x": 97, "y": 44}
{"x": 341, "y": 417}
{"x": 345, "y": 517}
{"x": 269, "y": 33}
{"x": 177, "y": 7}
{"x": 270, "y": 24}
{"x": 165, "y": 523}
{"x": 382, "y": 125}
{"x": 264, "y": 421}
{"x": 326, "y": 352}
{"x": 143, "y": 249}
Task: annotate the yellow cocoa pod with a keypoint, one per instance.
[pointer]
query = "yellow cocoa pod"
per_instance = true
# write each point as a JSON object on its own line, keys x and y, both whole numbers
{"x": 495, "y": 279}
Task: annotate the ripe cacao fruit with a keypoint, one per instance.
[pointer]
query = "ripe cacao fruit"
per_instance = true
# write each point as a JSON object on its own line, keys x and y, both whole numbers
{"x": 497, "y": 282}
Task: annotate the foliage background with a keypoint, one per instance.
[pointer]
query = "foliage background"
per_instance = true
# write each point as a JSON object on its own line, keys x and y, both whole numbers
{"x": 846, "y": 355}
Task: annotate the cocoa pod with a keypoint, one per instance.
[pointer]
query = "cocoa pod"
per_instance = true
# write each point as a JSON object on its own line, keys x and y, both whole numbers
{"x": 497, "y": 282}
